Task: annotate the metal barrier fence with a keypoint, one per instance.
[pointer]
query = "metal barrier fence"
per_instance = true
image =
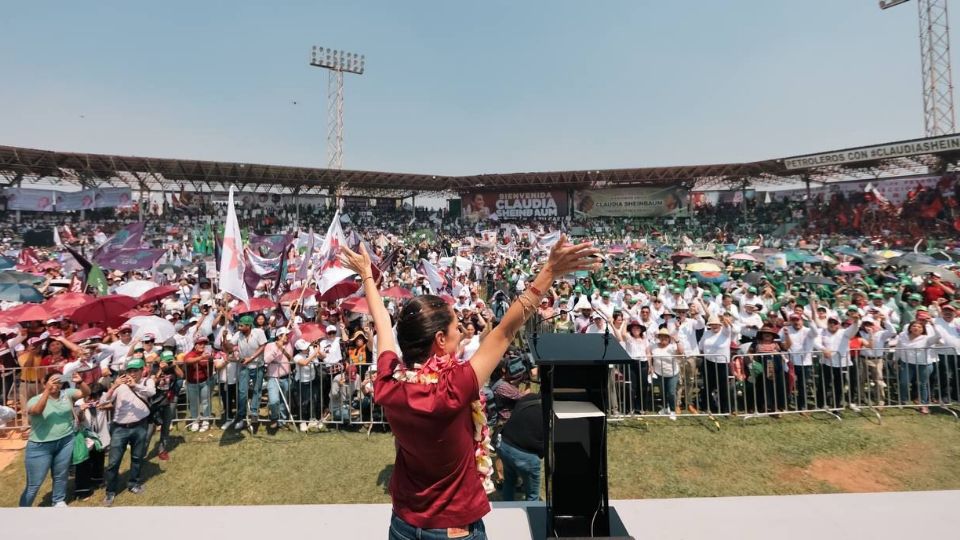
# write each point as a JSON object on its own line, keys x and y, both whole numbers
{"x": 305, "y": 399}
{"x": 739, "y": 385}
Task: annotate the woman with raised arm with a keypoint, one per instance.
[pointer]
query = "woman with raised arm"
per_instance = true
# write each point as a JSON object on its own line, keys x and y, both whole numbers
{"x": 432, "y": 400}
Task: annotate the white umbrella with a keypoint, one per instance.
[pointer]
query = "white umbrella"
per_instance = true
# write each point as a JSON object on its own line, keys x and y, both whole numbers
{"x": 161, "y": 329}
{"x": 136, "y": 288}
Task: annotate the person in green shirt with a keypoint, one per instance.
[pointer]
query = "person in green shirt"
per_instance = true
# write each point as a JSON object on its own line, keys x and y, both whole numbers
{"x": 50, "y": 447}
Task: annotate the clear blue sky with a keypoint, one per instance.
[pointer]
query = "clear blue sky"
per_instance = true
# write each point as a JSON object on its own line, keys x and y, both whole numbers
{"x": 461, "y": 88}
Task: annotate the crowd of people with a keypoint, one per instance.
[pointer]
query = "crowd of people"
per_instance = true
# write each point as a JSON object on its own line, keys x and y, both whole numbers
{"x": 724, "y": 312}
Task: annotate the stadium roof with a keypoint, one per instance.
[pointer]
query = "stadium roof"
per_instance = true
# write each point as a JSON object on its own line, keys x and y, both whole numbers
{"x": 27, "y": 165}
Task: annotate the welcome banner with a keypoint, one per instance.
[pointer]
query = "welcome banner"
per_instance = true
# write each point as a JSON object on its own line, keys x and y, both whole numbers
{"x": 507, "y": 206}
{"x": 630, "y": 202}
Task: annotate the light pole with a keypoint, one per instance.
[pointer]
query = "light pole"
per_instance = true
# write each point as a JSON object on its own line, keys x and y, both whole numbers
{"x": 938, "y": 113}
{"x": 338, "y": 62}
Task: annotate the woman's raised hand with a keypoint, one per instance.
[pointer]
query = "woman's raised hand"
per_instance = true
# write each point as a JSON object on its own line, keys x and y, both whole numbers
{"x": 566, "y": 258}
{"x": 358, "y": 262}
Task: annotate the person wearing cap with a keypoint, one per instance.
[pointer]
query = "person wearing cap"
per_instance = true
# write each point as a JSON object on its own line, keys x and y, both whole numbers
{"x": 247, "y": 345}
{"x": 197, "y": 368}
{"x": 833, "y": 343}
{"x": 129, "y": 396}
{"x": 277, "y": 356}
{"x": 330, "y": 353}
{"x": 307, "y": 387}
{"x": 50, "y": 446}
{"x": 798, "y": 341}
{"x": 875, "y": 332}
{"x": 117, "y": 343}
{"x": 948, "y": 327}
{"x": 168, "y": 380}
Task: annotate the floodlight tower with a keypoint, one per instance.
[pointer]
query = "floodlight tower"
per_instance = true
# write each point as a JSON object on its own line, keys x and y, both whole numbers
{"x": 938, "y": 114}
{"x": 338, "y": 62}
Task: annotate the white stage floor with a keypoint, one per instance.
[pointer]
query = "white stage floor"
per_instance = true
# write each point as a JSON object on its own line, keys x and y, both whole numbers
{"x": 874, "y": 516}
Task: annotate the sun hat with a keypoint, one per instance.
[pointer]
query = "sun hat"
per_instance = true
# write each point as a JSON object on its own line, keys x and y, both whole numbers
{"x": 713, "y": 320}
{"x": 663, "y": 332}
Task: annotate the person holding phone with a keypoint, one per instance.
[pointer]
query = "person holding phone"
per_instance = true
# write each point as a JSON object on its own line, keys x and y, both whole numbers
{"x": 50, "y": 447}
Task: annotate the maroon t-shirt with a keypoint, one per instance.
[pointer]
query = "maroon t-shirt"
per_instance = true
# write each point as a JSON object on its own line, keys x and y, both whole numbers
{"x": 435, "y": 483}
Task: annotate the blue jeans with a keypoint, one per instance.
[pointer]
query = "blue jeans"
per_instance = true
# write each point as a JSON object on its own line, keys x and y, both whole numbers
{"x": 243, "y": 386}
{"x": 41, "y": 457}
{"x": 136, "y": 437}
{"x": 198, "y": 397}
{"x": 401, "y": 530}
{"x": 274, "y": 400}
{"x": 668, "y": 385}
{"x": 521, "y": 464}
{"x": 919, "y": 373}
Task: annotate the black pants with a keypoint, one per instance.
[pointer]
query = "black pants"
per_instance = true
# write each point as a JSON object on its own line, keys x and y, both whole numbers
{"x": 89, "y": 474}
{"x": 805, "y": 377}
{"x": 641, "y": 389}
{"x": 771, "y": 385}
{"x": 717, "y": 376}
{"x": 833, "y": 380}
{"x": 228, "y": 399}
{"x": 306, "y": 397}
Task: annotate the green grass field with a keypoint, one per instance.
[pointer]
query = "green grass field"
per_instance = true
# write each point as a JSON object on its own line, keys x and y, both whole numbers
{"x": 648, "y": 459}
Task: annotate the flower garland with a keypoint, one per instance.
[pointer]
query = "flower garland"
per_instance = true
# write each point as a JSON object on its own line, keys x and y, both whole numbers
{"x": 429, "y": 373}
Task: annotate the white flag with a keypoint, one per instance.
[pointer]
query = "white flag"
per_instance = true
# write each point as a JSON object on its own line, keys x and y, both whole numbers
{"x": 331, "y": 270}
{"x": 56, "y": 237}
{"x": 231, "y": 258}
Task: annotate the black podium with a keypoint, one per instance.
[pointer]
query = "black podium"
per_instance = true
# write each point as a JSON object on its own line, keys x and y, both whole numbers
{"x": 574, "y": 375}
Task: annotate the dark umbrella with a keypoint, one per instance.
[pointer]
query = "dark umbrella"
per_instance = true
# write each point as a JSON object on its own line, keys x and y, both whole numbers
{"x": 912, "y": 258}
{"x": 940, "y": 272}
{"x": 818, "y": 280}
{"x": 753, "y": 278}
{"x": 169, "y": 269}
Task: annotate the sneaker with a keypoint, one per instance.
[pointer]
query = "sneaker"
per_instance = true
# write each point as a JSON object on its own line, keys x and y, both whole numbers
{"x": 304, "y": 427}
{"x": 60, "y": 504}
{"x": 226, "y": 424}
{"x": 854, "y": 407}
{"x": 204, "y": 426}
{"x": 314, "y": 425}
{"x": 240, "y": 424}
{"x": 135, "y": 489}
{"x": 673, "y": 416}
{"x": 163, "y": 456}
{"x": 194, "y": 427}
{"x": 108, "y": 500}
{"x": 663, "y": 412}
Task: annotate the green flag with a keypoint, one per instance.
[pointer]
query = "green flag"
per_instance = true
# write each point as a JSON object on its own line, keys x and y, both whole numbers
{"x": 97, "y": 281}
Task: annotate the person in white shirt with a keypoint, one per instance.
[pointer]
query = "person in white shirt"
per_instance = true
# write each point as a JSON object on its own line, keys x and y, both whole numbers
{"x": 247, "y": 344}
{"x": 715, "y": 346}
{"x": 798, "y": 340}
{"x": 597, "y": 326}
{"x": 876, "y": 331}
{"x": 917, "y": 360}
{"x": 329, "y": 352}
{"x": 834, "y": 344}
{"x": 638, "y": 347}
{"x": 688, "y": 322}
{"x": 666, "y": 367}
{"x": 307, "y": 385}
{"x": 948, "y": 326}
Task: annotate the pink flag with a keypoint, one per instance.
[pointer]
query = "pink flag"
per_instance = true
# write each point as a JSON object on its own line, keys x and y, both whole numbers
{"x": 331, "y": 270}
{"x": 231, "y": 257}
